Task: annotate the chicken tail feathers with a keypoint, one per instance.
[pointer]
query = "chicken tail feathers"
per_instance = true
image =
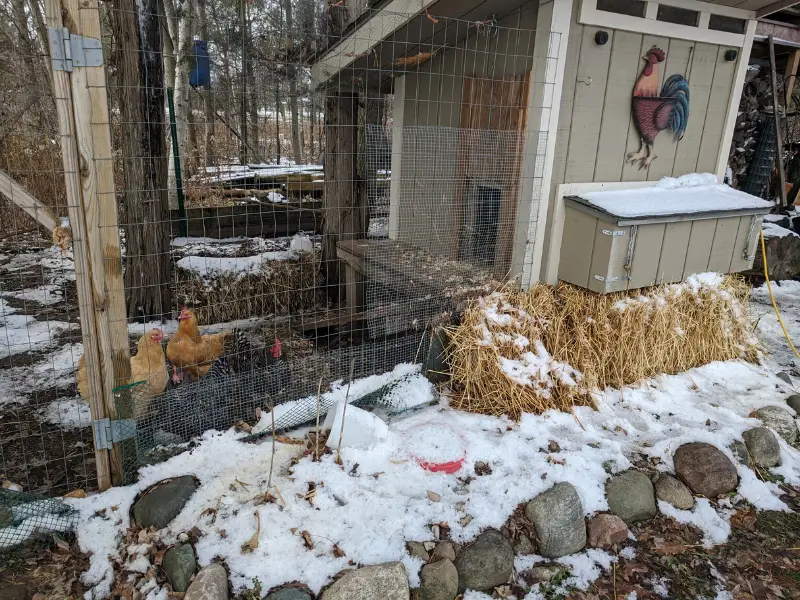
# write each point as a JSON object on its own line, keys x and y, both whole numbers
{"x": 677, "y": 87}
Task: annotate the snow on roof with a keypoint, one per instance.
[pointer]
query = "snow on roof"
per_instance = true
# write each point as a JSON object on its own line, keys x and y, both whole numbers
{"x": 772, "y": 230}
{"x": 693, "y": 193}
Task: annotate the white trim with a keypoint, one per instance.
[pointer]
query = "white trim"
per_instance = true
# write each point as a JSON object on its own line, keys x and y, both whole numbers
{"x": 365, "y": 37}
{"x": 557, "y": 224}
{"x": 590, "y": 15}
{"x": 733, "y": 101}
{"x": 550, "y": 54}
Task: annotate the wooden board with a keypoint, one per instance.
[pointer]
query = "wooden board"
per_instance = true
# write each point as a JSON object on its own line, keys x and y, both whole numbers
{"x": 587, "y": 108}
{"x": 717, "y": 110}
{"x": 673, "y": 251}
{"x": 646, "y": 255}
{"x": 22, "y": 198}
{"x": 722, "y": 248}
{"x": 699, "y": 249}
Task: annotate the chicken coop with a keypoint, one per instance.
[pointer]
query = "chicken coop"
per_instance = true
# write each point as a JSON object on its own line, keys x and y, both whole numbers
{"x": 295, "y": 196}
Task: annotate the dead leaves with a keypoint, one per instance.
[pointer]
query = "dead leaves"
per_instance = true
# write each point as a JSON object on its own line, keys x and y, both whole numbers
{"x": 252, "y": 543}
{"x": 433, "y": 496}
{"x": 307, "y": 541}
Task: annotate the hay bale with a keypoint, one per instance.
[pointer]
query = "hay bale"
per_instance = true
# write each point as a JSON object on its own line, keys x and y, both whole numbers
{"x": 551, "y": 347}
{"x": 279, "y": 287}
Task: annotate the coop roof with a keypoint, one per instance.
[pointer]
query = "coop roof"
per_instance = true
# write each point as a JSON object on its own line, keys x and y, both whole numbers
{"x": 377, "y": 40}
{"x": 380, "y": 33}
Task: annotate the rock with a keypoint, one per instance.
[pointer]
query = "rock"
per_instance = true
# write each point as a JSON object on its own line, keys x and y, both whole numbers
{"x": 794, "y": 402}
{"x": 211, "y": 583}
{"x": 740, "y": 453}
{"x": 444, "y": 550}
{"x": 417, "y": 550}
{"x": 630, "y": 497}
{"x": 524, "y": 545}
{"x": 673, "y": 491}
{"x": 388, "y": 581}
{"x": 606, "y": 531}
{"x": 783, "y": 258}
{"x": 779, "y": 419}
{"x": 289, "y": 593}
{"x": 557, "y": 515}
{"x": 784, "y": 376}
{"x": 179, "y": 564}
{"x": 763, "y": 447}
{"x": 439, "y": 581}
{"x": 159, "y": 506}
{"x": 14, "y": 591}
{"x": 705, "y": 469}
{"x": 487, "y": 563}
{"x": 544, "y": 573}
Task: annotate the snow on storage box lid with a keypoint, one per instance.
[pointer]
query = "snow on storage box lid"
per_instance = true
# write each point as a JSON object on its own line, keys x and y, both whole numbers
{"x": 622, "y": 240}
{"x": 691, "y": 196}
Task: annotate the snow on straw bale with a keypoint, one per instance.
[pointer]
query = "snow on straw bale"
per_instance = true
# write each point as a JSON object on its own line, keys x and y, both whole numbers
{"x": 550, "y": 347}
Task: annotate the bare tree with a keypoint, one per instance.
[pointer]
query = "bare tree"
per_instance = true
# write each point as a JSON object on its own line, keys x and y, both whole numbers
{"x": 291, "y": 75}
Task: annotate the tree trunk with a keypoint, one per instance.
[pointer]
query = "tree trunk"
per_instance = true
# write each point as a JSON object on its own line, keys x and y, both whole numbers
{"x": 291, "y": 74}
{"x": 344, "y": 206}
{"x": 278, "y": 122}
{"x": 138, "y": 44}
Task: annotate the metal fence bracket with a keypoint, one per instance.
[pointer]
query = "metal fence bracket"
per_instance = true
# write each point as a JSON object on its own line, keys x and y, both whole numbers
{"x": 108, "y": 432}
{"x": 68, "y": 51}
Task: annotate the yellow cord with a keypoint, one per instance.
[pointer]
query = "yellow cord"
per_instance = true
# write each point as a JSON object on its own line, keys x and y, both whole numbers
{"x": 772, "y": 297}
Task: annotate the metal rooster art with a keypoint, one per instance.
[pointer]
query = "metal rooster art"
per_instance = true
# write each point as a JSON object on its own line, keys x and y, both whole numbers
{"x": 654, "y": 112}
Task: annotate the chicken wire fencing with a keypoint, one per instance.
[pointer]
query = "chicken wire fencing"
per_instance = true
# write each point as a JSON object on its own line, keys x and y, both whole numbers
{"x": 285, "y": 200}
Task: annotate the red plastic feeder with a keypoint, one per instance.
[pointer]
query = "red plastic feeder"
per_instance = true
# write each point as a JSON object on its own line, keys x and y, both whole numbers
{"x": 436, "y": 448}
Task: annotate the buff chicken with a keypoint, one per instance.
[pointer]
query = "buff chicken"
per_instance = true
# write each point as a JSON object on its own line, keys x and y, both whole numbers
{"x": 654, "y": 112}
{"x": 148, "y": 369}
{"x": 192, "y": 353}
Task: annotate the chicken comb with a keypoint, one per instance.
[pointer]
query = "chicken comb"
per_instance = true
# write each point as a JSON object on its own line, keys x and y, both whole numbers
{"x": 658, "y": 53}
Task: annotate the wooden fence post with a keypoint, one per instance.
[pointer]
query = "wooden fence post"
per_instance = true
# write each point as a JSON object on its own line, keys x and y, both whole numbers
{"x": 82, "y": 104}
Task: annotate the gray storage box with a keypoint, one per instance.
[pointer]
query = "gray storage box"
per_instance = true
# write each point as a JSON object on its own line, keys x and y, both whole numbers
{"x": 606, "y": 252}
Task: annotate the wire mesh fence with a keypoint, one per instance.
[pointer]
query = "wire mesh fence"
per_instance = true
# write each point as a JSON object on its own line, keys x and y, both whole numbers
{"x": 285, "y": 197}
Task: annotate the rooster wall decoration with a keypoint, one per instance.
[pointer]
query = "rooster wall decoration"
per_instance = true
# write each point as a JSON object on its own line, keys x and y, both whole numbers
{"x": 654, "y": 112}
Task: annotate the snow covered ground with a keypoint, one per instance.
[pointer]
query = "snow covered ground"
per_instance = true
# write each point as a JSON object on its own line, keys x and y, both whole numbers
{"x": 378, "y": 499}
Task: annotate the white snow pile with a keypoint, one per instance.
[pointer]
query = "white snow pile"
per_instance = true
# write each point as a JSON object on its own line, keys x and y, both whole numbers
{"x": 23, "y": 333}
{"x": 211, "y": 267}
{"x": 693, "y": 193}
{"x": 370, "y": 510}
{"x": 55, "y": 370}
{"x": 773, "y": 230}
{"x": 67, "y": 413}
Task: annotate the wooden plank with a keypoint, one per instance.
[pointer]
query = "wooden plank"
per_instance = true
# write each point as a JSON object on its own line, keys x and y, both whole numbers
{"x": 790, "y": 75}
{"x": 717, "y": 109}
{"x": 22, "y": 198}
{"x": 722, "y": 247}
{"x": 625, "y": 66}
{"x": 587, "y": 111}
{"x": 699, "y": 249}
{"x": 673, "y": 252}
{"x": 704, "y": 62}
{"x": 633, "y": 172}
{"x": 741, "y": 250}
{"x": 678, "y": 61}
{"x": 577, "y": 245}
{"x": 91, "y": 205}
{"x": 646, "y": 253}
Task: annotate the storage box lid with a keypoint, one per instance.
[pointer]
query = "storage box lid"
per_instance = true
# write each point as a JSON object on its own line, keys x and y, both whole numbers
{"x": 685, "y": 198}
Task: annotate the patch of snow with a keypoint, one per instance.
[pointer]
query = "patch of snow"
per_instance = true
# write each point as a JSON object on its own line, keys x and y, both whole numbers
{"x": 276, "y": 198}
{"x": 715, "y": 528}
{"x": 23, "y": 333}
{"x": 690, "y": 194}
{"x": 301, "y": 243}
{"x": 771, "y": 230}
{"x": 57, "y": 369}
{"x": 47, "y": 294}
{"x": 208, "y": 267}
{"x": 362, "y": 429}
{"x": 628, "y": 553}
{"x": 180, "y": 242}
{"x": 688, "y": 180}
{"x": 67, "y": 413}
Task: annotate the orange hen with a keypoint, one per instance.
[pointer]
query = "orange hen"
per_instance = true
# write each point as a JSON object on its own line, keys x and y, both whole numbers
{"x": 192, "y": 353}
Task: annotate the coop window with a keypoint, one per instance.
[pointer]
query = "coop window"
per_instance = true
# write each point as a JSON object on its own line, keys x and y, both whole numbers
{"x": 634, "y": 8}
{"x": 679, "y": 16}
{"x": 729, "y": 24}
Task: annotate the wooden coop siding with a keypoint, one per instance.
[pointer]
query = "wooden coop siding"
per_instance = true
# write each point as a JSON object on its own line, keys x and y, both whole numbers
{"x": 595, "y": 130}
